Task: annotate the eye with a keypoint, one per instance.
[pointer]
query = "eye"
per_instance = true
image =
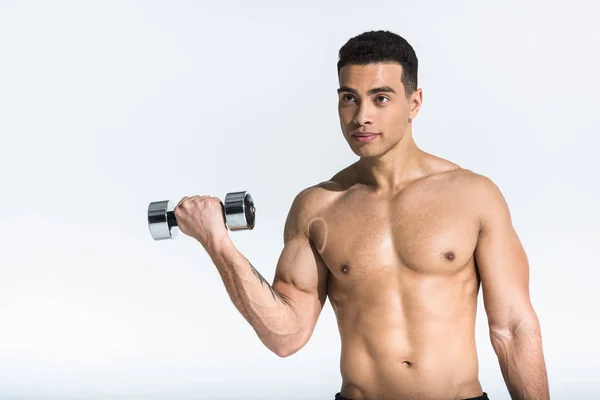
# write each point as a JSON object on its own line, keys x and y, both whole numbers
{"x": 347, "y": 98}
{"x": 382, "y": 99}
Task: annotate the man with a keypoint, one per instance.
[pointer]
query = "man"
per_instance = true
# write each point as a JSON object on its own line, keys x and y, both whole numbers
{"x": 399, "y": 241}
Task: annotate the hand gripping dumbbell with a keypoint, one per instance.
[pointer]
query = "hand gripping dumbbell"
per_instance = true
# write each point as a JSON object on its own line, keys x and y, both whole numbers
{"x": 239, "y": 214}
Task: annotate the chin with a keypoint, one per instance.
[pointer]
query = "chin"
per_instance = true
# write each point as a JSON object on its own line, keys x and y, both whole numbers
{"x": 365, "y": 152}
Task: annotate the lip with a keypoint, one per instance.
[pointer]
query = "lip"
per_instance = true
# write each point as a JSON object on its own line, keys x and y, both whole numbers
{"x": 365, "y": 136}
{"x": 364, "y": 133}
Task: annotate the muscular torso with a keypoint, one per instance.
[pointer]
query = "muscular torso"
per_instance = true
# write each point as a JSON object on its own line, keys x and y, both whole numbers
{"x": 403, "y": 285}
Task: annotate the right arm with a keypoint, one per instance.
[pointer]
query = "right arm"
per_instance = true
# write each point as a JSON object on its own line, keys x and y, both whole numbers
{"x": 285, "y": 313}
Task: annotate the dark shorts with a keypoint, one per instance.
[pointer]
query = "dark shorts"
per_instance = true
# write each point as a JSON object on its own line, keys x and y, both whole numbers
{"x": 484, "y": 396}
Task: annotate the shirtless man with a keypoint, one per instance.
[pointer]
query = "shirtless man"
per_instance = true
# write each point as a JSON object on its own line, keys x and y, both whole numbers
{"x": 400, "y": 242}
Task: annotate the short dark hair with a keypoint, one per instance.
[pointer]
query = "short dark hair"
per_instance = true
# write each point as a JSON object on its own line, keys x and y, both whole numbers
{"x": 380, "y": 47}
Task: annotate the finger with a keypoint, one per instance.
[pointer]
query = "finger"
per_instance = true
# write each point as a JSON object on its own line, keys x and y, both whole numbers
{"x": 180, "y": 204}
{"x": 189, "y": 202}
{"x": 199, "y": 197}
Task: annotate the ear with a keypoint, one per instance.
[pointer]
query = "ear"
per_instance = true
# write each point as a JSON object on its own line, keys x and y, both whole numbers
{"x": 415, "y": 101}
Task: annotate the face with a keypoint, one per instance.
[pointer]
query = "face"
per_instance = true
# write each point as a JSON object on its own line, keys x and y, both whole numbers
{"x": 373, "y": 109}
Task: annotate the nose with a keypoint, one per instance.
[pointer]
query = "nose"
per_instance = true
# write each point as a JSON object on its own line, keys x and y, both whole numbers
{"x": 363, "y": 116}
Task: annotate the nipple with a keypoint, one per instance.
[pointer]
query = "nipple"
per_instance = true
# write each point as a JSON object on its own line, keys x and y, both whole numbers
{"x": 449, "y": 255}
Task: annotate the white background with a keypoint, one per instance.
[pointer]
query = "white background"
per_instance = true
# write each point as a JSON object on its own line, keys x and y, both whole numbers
{"x": 106, "y": 106}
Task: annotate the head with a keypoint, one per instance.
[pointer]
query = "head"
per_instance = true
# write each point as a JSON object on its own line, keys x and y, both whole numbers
{"x": 378, "y": 93}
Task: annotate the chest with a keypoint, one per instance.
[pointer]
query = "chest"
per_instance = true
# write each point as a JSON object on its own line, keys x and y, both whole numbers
{"x": 434, "y": 234}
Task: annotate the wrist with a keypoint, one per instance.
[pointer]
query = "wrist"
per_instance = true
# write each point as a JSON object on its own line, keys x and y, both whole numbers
{"x": 216, "y": 244}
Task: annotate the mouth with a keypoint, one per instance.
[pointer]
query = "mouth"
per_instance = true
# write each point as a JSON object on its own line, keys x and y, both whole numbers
{"x": 365, "y": 136}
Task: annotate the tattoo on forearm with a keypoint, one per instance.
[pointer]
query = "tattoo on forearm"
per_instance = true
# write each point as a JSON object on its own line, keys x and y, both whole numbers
{"x": 263, "y": 280}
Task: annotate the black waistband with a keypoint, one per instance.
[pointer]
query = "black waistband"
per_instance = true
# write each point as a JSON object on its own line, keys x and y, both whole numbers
{"x": 484, "y": 396}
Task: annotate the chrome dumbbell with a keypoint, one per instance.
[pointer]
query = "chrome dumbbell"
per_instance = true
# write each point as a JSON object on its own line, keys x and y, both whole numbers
{"x": 239, "y": 214}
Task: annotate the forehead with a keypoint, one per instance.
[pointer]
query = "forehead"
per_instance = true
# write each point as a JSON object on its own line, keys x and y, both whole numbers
{"x": 364, "y": 77}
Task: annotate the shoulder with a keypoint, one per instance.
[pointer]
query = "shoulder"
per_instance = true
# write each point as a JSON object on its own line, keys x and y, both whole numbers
{"x": 480, "y": 186}
{"x": 322, "y": 194}
{"x": 468, "y": 182}
{"x": 308, "y": 204}
{"x": 313, "y": 198}
{"x": 476, "y": 192}
{"x": 311, "y": 201}
{"x": 481, "y": 194}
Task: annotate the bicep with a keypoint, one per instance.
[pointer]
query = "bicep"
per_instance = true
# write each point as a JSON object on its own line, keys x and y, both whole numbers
{"x": 502, "y": 263}
{"x": 301, "y": 275}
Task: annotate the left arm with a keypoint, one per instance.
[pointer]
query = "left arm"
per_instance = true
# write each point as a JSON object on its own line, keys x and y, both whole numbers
{"x": 513, "y": 324}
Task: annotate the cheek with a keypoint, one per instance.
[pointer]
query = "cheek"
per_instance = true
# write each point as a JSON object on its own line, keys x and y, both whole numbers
{"x": 399, "y": 116}
{"x": 346, "y": 115}
{"x": 394, "y": 118}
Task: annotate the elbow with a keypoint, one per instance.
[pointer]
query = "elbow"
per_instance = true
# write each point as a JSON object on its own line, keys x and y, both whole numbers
{"x": 501, "y": 332}
{"x": 500, "y": 337}
{"x": 285, "y": 348}
{"x": 283, "y": 352}
{"x": 504, "y": 333}
{"x": 289, "y": 341}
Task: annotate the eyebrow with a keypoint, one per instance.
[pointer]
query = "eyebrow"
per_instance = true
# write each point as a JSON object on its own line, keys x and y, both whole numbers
{"x": 386, "y": 89}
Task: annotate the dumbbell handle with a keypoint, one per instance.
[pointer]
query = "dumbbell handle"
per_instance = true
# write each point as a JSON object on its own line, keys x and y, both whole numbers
{"x": 172, "y": 220}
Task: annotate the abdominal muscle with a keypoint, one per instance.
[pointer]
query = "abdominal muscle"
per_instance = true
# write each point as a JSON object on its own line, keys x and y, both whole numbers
{"x": 417, "y": 344}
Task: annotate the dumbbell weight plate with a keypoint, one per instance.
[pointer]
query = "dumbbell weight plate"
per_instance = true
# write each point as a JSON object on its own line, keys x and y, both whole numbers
{"x": 240, "y": 212}
{"x": 161, "y": 220}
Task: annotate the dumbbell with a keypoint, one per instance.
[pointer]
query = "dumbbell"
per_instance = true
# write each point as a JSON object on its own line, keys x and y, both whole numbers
{"x": 238, "y": 212}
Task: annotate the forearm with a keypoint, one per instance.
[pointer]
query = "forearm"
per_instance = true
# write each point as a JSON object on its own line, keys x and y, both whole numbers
{"x": 267, "y": 311}
{"x": 522, "y": 362}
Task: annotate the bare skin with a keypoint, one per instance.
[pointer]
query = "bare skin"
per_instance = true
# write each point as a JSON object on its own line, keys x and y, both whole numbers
{"x": 400, "y": 242}
{"x": 402, "y": 283}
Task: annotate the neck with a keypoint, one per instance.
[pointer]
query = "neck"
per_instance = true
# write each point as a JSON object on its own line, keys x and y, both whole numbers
{"x": 393, "y": 169}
